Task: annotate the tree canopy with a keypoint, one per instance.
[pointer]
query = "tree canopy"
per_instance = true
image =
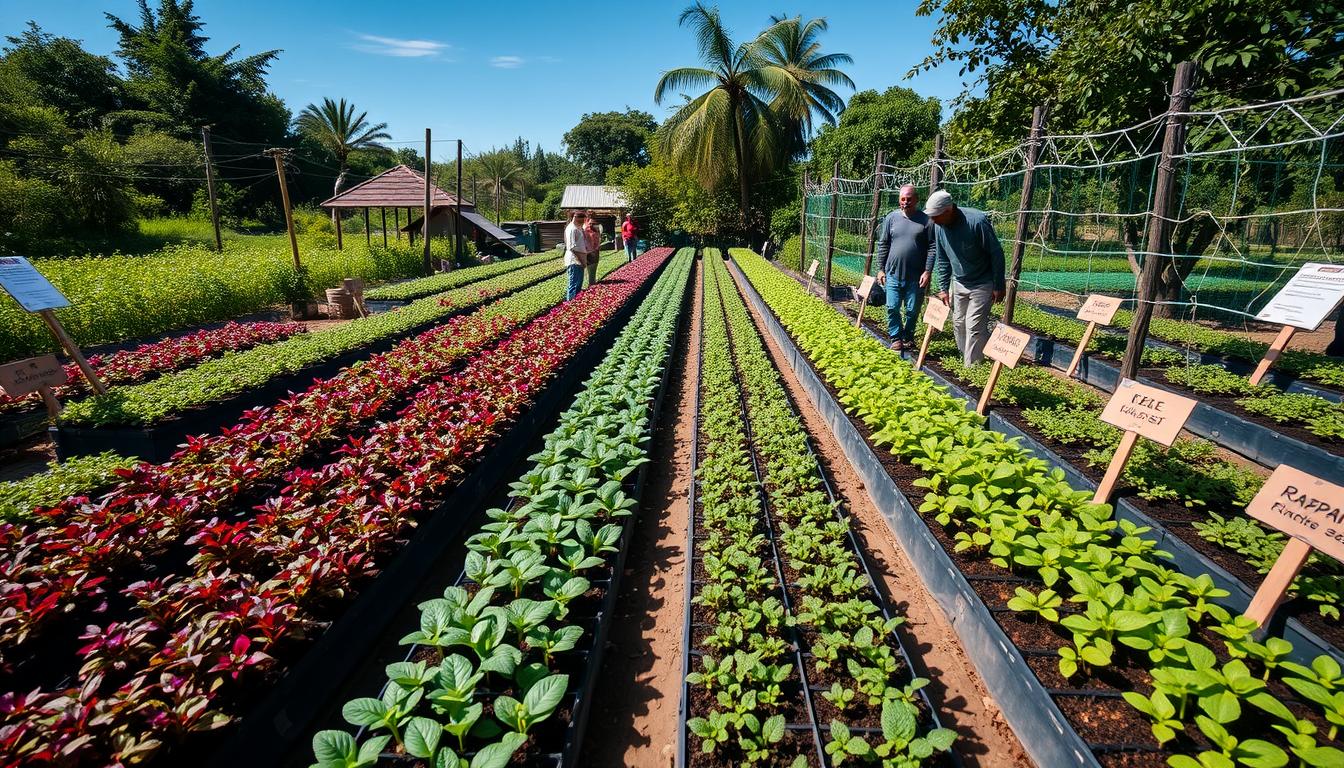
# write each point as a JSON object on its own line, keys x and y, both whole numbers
{"x": 603, "y": 140}
{"x": 898, "y": 121}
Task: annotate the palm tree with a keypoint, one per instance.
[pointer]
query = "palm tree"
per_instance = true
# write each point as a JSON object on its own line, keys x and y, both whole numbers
{"x": 335, "y": 126}
{"x": 793, "y": 45}
{"x": 731, "y": 119}
{"x": 502, "y": 172}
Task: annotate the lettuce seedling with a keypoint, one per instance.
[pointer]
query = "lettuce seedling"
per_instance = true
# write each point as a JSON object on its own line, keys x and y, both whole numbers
{"x": 337, "y": 749}
{"x": 539, "y": 703}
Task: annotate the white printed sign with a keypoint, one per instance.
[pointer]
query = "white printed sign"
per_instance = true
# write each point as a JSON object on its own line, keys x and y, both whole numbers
{"x": 1308, "y": 298}
{"x": 28, "y": 287}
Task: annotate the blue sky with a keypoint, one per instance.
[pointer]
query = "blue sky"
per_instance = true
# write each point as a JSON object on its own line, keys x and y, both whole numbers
{"x": 487, "y": 72}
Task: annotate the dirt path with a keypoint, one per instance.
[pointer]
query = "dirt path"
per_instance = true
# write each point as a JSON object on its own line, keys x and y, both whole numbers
{"x": 634, "y": 721}
{"x": 984, "y": 739}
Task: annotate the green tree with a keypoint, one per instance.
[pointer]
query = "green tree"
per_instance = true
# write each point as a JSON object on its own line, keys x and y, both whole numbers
{"x": 604, "y": 140}
{"x": 336, "y": 127}
{"x": 500, "y": 173}
{"x": 897, "y": 121}
{"x": 794, "y": 45}
{"x": 84, "y": 87}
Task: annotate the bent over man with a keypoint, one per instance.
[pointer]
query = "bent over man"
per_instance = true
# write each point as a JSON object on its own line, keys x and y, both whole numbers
{"x": 968, "y": 261}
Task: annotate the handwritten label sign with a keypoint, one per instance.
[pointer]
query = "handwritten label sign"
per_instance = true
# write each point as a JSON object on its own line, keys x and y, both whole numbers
{"x": 1148, "y": 411}
{"x": 28, "y": 287}
{"x": 866, "y": 287}
{"x": 1304, "y": 507}
{"x": 28, "y": 376}
{"x": 812, "y": 268}
{"x": 935, "y": 314}
{"x": 1099, "y": 309}
{"x": 1006, "y": 345}
{"x": 1308, "y": 298}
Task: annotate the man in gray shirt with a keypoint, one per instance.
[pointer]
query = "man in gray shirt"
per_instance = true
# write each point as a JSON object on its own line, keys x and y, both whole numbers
{"x": 968, "y": 261}
{"x": 905, "y": 245}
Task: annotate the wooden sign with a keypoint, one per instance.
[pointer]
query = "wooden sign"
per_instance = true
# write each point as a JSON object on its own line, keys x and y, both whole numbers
{"x": 1140, "y": 410}
{"x": 1005, "y": 347}
{"x": 865, "y": 290}
{"x": 28, "y": 286}
{"x": 36, "y": 374}
{"x": 1308, "y": 509}
{"x": 812, "y": 274}
{"x": 935, "y": 318}
{"x": 1097, "y": 310}
{"x": 1305, "y": 302}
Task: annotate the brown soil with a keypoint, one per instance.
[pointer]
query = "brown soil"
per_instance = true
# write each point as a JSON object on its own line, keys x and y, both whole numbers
{"x": 27, "y": 458}
{"x": 634, "y": 719}
{"x": 984, "y": 739}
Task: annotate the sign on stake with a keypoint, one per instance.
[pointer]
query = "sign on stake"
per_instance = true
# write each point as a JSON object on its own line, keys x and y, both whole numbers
{"x": 36, "y": 294}
{"x": 36, "y": 374}
{"x": 812, "y": 274}
{"x": 865, "y": 290}
{"x": 1140, "y": 410}
{"x": 935, "y": 318}
{"x": 1304, "y": 302}
{"x": 1005, "y": 347}
{"x": 1097, "y": 310}
{"x": 1308, "y": 509}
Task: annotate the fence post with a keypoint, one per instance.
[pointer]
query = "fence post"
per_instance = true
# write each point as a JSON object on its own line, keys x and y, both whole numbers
{"x": 1028, "y": 186}
{"x": 877, "y": 209}
{"x": 802, "y": 224}
{"x": 1159, "y": 219}
{"x": 830, "y": 228}
{"x": 936, "y": 168}
{"x": 210, "y": 186}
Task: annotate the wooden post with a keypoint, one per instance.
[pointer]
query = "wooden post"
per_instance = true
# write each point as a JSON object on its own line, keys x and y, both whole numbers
{"x": 1275, "y": 586}
{"x": 457, "y": 221}
{"x": 429, "y": 264}
{"x": 72, "y": 349}
{"x": 1020, "y": 239}
{"x": 830, "y": 234}
{"x": 279, "y": 156}
{"x": 368, "y": 233}
{"x": 802, "y": 223}
{"x": 1272, "y": 354}
{"x": 1159, "y": 219}
{"x": 396, "y": 221}
{"x": 1117, "y": 465}
{"x": 865, "y": 290}
{"x": 383, "y": 211}
{"x": 994, "y": 372}
{"x": 877, "y": 210}
{"x": 49, "y": 400}
{"x": 936, "y": 167}
{"x": 336, "y": 223}
{"x": 210, "y": 190}
{"x": 1082, "y": 347}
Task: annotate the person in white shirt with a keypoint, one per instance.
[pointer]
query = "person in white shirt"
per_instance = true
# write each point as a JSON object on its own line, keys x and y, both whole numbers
{"x": 576, "y": 254}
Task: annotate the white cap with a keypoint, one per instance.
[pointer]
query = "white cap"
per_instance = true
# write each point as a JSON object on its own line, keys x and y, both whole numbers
{"x": 938, "y": 202}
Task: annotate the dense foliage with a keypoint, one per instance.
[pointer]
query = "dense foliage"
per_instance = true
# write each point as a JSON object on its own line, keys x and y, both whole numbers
{"x": 78, "y": 476}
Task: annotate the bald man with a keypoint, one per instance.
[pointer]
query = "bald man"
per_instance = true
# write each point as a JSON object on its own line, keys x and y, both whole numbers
{"x": 905, "y": 244}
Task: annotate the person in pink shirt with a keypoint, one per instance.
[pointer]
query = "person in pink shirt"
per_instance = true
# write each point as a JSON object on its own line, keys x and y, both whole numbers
{"x": 630, "y": 235}
{"x": 592, "y": 232}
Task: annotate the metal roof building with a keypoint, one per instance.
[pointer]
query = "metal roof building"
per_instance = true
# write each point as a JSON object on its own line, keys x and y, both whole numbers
{"x": 594, "y": 196}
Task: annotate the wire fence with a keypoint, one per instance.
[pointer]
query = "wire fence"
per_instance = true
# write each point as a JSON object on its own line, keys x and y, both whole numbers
{"x": 1259, "y": 192}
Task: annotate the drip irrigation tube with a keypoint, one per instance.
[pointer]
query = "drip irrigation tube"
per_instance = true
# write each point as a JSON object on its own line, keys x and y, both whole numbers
{"x": 1040, "y": 726}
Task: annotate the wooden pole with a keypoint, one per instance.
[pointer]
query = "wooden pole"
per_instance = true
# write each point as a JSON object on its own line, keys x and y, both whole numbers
{"x": 936, "y": 167}
{"x": 1082, "y": 346}
{"x": 994, "y": 372}
{"x": 72, "y": 349}
{"x": 1117, "y": 465}
{"x": 457, "y": 224}
{"x": 49, "y": 399}
{"x": 336, "y": 223}
{"x": 1023, "y": 218}
{"x": 1275, "y": 586}
{"x": 383, "y": 211}
{"x": 368, "y": 233}
{"x": 1272, "y": 354}
{"x": 1159, "y": 219}
{"x": 877, "y": 209}
{"x": 396, "y": 221}
{"x": 830, "y": 234}
{"x": 802, "y": 222}
{"x": 429, "y": 265}
{"x": 209, "y": 188}
{"x": 279, "y": 156}
{"x": 924, "y": 347}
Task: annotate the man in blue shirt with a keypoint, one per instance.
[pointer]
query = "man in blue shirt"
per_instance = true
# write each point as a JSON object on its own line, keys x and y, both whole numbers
{"x": 905, "y": 244}
{"x": 968, "y": 262}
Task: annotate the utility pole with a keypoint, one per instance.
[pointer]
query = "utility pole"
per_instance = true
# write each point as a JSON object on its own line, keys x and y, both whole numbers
{"x": 1028, "y": 186}
{"x": 429, "y": 264}
{"x": 457, "y": 225}
{"x": 210, "y": 185}
{"x": 279, "y": 155}
{"x": 877, "y": 209}
{"x": 1159, "y": 219}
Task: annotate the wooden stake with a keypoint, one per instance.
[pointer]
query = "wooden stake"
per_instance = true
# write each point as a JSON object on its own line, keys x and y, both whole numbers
{"x": 873, "y": 223}
{"x": 1272, "y": 354}
{"x": 1275, "y": 586}
{"x": 210, "y": 188}
{"x": 924, "y": 347}
{"x": 1117, "y": 465}
{"x": 1082, "y": 345}
{"x": 802, "y": 224}
{"x": 830, "y": 233}
{"x": 49, "y": 398}
{"x": 279, "y": 156}
{"x": 72, "y": 349}
{"x": 994, "y": 372}
{"x": 1020, "y": 239}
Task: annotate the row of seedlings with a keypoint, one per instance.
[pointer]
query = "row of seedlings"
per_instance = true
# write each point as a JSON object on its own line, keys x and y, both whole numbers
{"x": 1147, "y": 667}
{"x": 745, "y": 701}
{"x": 408, "y": 290}
{"x": 502, "y": 665}
{"x": 856, "y": 666}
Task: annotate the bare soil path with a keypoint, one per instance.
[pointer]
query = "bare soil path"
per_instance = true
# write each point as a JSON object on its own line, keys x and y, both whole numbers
{"x": 634, "y": 721}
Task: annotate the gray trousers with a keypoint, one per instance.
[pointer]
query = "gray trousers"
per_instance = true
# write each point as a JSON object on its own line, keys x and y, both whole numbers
{"x": 970, "y": 319}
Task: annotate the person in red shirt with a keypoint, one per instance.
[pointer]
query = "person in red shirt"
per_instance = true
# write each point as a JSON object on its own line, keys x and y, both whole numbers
{"x": 630, "y": 234}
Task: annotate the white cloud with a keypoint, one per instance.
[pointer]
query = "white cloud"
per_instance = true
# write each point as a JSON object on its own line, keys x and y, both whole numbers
{"x": 507, "y": 62}
{"x": 394, "y": 46}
